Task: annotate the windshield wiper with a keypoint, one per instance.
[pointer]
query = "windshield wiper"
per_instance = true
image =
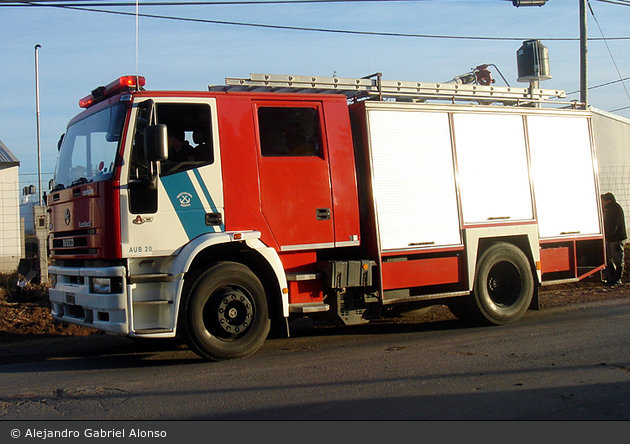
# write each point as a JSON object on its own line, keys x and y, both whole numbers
{"x": 79, "y": 181}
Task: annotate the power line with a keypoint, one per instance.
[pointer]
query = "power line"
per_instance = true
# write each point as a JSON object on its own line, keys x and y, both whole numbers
{"x": 281, "y": 27}
{"x": 194, "y": 3}
{"x": 615, "y": 2}
{"x": 309, "y": 29}
{"x": 227, "y": 2}
{"x": 609, "y": 51}
{"x": 82, "y": 6}
{"x": 601, "y": 85}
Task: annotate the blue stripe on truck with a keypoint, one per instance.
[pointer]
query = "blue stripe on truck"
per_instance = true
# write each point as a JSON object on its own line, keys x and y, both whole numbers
{"x": 187, "y": 204}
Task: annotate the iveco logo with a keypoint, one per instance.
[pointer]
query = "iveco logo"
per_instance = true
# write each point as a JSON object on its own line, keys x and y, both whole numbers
{"x": 68, "y": 218}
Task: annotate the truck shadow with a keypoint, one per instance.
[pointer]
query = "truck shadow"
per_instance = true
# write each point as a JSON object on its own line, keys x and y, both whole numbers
{"x": 102, "y": 351}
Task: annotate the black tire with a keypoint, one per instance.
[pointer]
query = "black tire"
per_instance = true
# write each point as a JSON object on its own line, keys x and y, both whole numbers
{"x": 503, "y": 288}
{"x": 226, "y": 314}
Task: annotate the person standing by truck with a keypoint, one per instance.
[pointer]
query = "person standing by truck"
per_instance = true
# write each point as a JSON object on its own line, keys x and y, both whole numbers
{"x": 615, "y": 235}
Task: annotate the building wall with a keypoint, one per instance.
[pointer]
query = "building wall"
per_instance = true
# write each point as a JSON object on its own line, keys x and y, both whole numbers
{"x": 612, "y": 143}
{"x": 10, "y": 239}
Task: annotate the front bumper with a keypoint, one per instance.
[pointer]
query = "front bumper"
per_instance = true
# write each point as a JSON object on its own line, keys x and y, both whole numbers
{"x": 73, "y": 301}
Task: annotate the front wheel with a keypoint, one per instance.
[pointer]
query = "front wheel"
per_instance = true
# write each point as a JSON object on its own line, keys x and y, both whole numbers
{"x": 226, "y": 314}
{"x": 503, "y": 287}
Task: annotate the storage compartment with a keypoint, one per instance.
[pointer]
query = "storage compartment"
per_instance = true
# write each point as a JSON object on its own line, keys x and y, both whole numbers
{"x": 341, "y": 274}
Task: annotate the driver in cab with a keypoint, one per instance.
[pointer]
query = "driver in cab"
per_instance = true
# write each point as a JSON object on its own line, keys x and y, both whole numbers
{"x": 179, "y": 150}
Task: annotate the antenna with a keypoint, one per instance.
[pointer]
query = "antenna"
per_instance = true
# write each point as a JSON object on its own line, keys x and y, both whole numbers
{"x": 137, "y": 38}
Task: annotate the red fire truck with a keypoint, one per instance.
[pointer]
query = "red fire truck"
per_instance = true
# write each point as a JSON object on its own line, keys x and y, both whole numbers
{"x": 218, "y": 216}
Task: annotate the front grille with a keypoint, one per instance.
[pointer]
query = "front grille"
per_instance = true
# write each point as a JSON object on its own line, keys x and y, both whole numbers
{"x": 76, "y": 252}
{"x": 70, "y": 242}
{"x": 76, "y": 242}
{"x": 74, "y": 233}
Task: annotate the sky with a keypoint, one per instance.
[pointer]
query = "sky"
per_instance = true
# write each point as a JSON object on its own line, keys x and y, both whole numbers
{"x": 435, "y": 41}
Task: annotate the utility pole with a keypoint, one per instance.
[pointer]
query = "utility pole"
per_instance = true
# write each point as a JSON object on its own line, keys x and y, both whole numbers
{"x": 583, "y": 56}
{"x": 583, "y": 44}
{"x": 40, "y": 225}
{"x": 39, "y": 155}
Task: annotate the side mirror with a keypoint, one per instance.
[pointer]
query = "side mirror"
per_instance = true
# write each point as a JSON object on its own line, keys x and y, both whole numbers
{"x": 156, "y": 143}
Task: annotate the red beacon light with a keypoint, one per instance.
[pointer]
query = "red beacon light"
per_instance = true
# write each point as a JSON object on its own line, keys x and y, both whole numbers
{"x": 120, "y": 85}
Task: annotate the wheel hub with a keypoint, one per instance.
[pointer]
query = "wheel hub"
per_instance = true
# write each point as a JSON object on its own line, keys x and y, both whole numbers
{"x": 235, "y": 312}
{"x": 493, "y": 285}
{"x": 503, "y": 284}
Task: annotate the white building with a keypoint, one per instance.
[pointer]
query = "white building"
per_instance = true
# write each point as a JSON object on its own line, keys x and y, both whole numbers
{"x": 10, "y": 232}
{"x": 612, "y": 140}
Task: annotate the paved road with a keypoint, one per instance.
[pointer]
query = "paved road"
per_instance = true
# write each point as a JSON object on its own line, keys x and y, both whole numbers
{"x": 569, "y": 363}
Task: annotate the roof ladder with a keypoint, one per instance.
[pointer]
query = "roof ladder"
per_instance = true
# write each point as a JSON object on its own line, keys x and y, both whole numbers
{"x": 374, "y": 87}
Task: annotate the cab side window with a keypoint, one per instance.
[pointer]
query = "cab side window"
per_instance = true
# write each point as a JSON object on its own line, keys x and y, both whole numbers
{"x": 289, "y": 131}
{"x": 190, "y": 146}
{"x": 189, "y": 136}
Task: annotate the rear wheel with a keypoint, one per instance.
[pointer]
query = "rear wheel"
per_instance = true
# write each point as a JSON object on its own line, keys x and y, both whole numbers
{"x": 503, "y": 288}
{"x": 226, "y": 313}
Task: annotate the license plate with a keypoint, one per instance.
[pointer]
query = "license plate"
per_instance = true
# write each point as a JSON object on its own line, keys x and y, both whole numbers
{"x": 70, "y": 299}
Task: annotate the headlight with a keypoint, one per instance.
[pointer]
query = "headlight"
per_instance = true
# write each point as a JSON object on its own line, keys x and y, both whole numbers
{"x": 101, "y": 285}
{"x": 106, "y": 285}
{"x": 52, "y": 280}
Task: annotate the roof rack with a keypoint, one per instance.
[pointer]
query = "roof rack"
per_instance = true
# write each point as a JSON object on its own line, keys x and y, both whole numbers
{"x": 374, "y": 87}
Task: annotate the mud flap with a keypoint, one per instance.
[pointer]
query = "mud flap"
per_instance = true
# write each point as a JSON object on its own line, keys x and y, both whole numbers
{"x": 279, "y": 328}
{"x": 535, "y": 305}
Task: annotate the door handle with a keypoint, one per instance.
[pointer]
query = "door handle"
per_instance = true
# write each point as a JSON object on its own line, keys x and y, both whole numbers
{"x": 322, "y": 214}
{"x": 214, "y": 219}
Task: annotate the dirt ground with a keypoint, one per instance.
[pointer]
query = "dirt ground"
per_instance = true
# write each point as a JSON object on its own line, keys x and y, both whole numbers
{"x": 25, "y": 312}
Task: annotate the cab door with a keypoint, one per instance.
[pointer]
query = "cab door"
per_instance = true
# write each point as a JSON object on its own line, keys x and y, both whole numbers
{"x": 296, "y": 197}
{"x": 186, "y": 200}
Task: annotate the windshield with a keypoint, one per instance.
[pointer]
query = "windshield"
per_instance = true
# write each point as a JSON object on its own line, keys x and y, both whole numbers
{"x": 89, "y": 148}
